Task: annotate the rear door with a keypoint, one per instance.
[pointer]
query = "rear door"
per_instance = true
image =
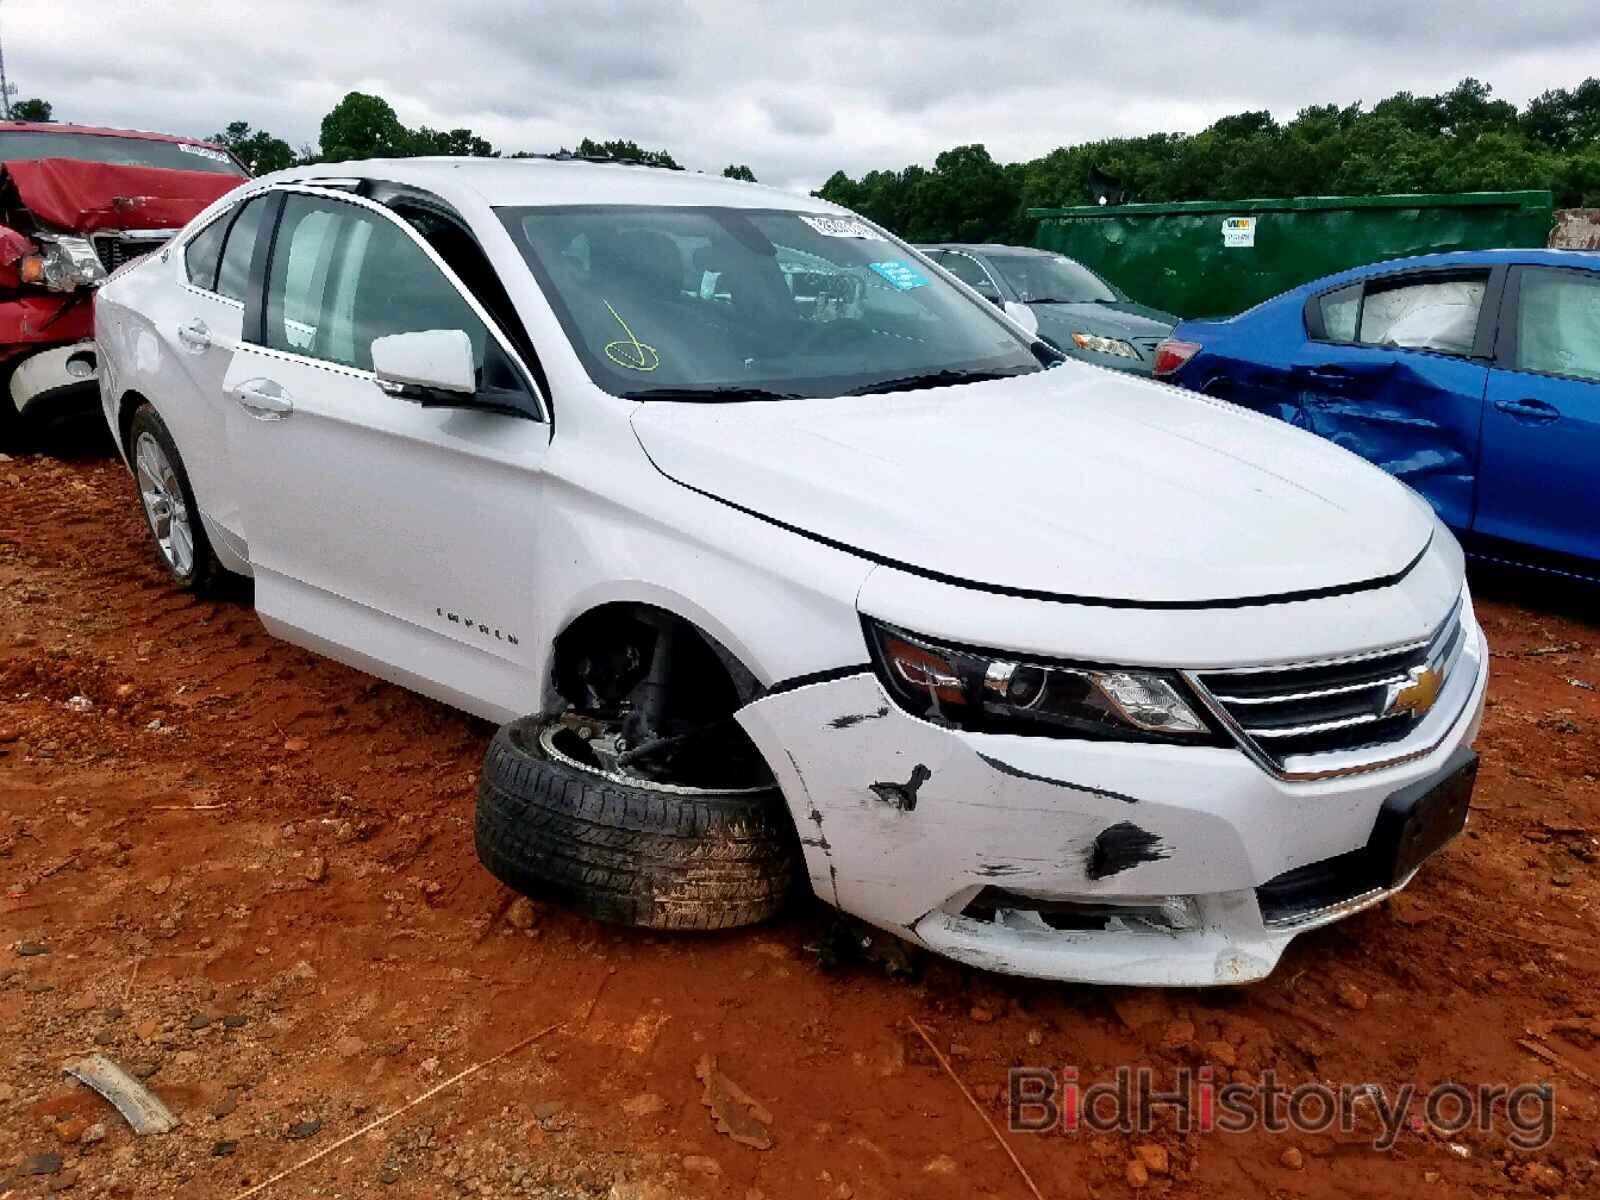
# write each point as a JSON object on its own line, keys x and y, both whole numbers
{"x": 397, "y": 537}
{"x": 209, "y": 311}
{"x": 1541, "y": 436}
{"x": 1394, "y": 369}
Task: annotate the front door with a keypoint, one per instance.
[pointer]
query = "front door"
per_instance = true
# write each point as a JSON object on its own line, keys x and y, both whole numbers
{"x": 1541, "y": 432}
{"x": 1394, "y": 370}
{"x": 398, "y": 537}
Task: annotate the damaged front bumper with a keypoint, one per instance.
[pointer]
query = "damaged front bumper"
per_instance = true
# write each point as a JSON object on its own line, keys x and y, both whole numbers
{"x": 47, "y": 383}
{"x": 1077, "y": 860}
{"x": 50, "y": 359}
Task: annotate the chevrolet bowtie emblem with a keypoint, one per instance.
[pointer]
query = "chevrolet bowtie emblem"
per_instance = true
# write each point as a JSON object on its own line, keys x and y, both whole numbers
{"x": 1416, "y": 695}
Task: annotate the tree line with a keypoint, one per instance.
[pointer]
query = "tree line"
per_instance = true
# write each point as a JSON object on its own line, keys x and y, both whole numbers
{"x": 366, "y": 126}
{"x": 1463, "y": 140}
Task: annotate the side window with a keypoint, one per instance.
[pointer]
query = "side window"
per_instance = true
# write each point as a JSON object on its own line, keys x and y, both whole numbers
{"x": 233, "y": 276}
{"x": 1340, "y": 312}
{"x": 342, "y": 277}
{"x": 967, "y": 269}
{"x": 201, "y": 255}
{"x": 1558, "y": 323}
{"x": 1433, "y": 314}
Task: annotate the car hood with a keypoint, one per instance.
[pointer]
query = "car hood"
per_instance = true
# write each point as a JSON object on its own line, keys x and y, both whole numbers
{"x": 1073, "y": 483}
{"x": 1122, "y": 319}
{"x": 88, "y": 197}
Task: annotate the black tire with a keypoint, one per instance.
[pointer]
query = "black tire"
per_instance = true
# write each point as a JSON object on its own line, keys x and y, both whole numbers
{"x": 204, "y": 572}
{"x": 626, "y": 852}
{"x": 11, "y": 425}
{"x": 67, "y": 423}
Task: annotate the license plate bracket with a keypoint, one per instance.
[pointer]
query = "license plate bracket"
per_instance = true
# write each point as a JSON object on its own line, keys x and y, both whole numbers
{"x": 1418, "y": 821}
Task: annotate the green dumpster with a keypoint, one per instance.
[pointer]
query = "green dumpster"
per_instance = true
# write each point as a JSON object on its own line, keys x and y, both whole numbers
{"x": 1211, "y": 258}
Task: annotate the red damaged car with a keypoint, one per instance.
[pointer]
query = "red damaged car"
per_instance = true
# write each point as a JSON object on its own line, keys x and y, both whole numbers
{"x": 75, "y": 204}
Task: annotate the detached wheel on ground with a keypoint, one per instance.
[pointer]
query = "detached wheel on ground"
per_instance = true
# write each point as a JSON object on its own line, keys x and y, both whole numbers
{"x": 168, "y": 502}
{"x": 557, "y": 820}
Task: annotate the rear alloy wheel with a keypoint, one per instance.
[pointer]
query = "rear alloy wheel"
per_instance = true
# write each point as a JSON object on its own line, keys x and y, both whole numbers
{"x": 562, "y": 814}
{"x": 168, "y": 502}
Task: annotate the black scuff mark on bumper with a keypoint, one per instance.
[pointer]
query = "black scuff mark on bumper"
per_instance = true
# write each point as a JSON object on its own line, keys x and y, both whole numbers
{"x": 850, "y": 720}
{"x": 1121, "y": 847}
{"x": 1000, "y": 870}
{"x": 903, "y": 795}
{"x": 1006, "y": 768}
{"x": 814, "y": 814}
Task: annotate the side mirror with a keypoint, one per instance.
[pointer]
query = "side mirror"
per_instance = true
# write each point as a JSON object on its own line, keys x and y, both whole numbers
{"x": 431, "y": 360}
{"x": 1023, "y": 315}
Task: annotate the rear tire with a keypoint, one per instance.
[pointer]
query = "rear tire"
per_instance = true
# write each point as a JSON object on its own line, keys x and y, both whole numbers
{"x": 168, "y": 501}
{"x": 618, "y": 849}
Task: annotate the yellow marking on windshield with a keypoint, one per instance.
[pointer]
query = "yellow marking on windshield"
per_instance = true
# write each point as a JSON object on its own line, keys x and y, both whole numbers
{"x": 633, "y": 354}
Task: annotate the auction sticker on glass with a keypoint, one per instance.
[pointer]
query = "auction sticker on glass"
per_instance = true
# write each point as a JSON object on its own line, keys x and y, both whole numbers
{"x": 845, "y": 227}
{"x": 1239, "y": 232}
{"x": 202, "y": 152}
{"x": 901, "y": 276}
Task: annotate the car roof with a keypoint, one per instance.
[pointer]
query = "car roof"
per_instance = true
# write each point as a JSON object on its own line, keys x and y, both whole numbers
{"x": 539, "y": 182}
{"x": 97, "y": 131}
{"x": 1589, "y": 259}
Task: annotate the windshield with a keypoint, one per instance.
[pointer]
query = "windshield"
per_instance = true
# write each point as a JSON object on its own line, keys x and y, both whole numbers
{"x": 673, "y": 303}
{"x": 118, "y": 151}
{"x": 1051, "y": 279}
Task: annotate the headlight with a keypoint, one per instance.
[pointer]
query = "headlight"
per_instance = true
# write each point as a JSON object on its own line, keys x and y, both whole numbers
{"x": 997, "y": 693}
{"x": 67, "y": 264}
{"x": 1104, "y": 345}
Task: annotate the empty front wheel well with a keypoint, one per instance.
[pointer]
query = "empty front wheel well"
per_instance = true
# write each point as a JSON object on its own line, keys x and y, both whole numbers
{"x": 663, "y": 682}
{"x": 601, "y": 656}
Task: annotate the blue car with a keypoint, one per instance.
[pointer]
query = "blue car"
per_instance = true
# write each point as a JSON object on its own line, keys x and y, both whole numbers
{"x": 1473, "y": 376}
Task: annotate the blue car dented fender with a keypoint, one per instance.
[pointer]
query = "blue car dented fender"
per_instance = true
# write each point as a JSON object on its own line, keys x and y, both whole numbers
{"x": 1472, "y": 376}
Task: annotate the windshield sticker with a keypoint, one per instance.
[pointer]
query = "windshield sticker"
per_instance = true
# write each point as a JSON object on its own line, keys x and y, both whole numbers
{"x": 901, "y": 276}
{"x": 846, "y": 227}
{"x": 632, "y": 354}
{"x": 204, "y": 152}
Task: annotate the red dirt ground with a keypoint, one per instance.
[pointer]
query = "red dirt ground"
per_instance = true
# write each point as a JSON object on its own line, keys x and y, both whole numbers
{"x": 231, "y": 827}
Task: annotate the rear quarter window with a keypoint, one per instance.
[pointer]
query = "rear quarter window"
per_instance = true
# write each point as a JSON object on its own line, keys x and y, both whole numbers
{"x": 1340, "y": 311}
{"x": 204, "y": 251}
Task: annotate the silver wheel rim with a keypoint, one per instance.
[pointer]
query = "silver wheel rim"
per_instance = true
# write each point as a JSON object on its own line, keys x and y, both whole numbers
{"x": 164, "y": 504}
{"x": 547, "y": 737}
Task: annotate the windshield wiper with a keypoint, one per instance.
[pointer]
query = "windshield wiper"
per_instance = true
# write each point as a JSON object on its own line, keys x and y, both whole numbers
{"x": 931, "y": 379}
{"x": 709, "y": 395}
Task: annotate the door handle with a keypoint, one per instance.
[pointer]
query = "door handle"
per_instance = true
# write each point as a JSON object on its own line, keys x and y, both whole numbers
{"x": 1536, "y": 412}
{"x": 194, "y": 334}
{"x": 264, "y": 400}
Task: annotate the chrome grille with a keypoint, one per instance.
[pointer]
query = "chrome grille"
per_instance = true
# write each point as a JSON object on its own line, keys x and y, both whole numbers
{"x": 115, "y": 249}
{"x": 1347, "y": 704}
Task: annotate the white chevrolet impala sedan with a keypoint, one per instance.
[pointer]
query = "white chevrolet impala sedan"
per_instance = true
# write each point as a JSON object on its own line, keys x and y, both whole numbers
{"x": 783, "y": 556}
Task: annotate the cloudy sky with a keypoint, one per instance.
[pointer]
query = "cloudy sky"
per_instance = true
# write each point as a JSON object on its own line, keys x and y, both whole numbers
{"x": 795, "y": 89}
